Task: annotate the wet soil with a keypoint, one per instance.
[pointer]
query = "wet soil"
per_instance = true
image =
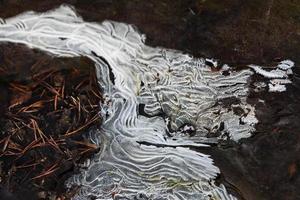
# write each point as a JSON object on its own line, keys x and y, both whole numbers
{"x": 47, "y": 107}
{"x": 238, "y": 32}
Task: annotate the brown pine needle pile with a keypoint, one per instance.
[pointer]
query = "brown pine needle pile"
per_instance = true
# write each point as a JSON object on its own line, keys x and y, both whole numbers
{"x": 47, "y": 106}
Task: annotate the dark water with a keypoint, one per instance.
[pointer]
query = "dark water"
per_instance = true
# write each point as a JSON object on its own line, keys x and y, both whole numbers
{"x": 237, "y": 32}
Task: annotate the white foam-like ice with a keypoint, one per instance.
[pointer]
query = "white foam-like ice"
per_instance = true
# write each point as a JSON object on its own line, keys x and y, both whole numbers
{"x": 278, "y": 77}
{"x": 286, "y": 64}
{"x": 144, "y": 155}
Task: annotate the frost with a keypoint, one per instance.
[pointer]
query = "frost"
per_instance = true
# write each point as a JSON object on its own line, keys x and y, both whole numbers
{"x": 145, "y": 156}
{"x": 277, "y": 73}
{"x": 212, "y": 61}
{"x": 286, "y": 64}
{"x": 276, "y": 88}
{"x": 278, "y": 78}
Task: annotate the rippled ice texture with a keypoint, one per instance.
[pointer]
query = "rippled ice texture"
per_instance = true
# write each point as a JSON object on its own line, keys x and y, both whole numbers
{"x": 144, "y": 155}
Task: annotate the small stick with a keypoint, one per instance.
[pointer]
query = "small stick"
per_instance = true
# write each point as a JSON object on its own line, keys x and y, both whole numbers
{"x": 89, "y": 145}
{"x": 27, "y": 148}
{"x": 49, "y": 171}
{"x": 26, "y": 166}
{"x": 50, "y": 88}
{"x": 6, "y": 143}
{"x": 96, "y": 94}
{"x": 82, "y": 127}
{"x": 80, "y": 84}
{"x": 63, "y": 89}
{"x": 55, "y": 102}
{"x": 34, "y": 106}
{"x": 19, "y": 87}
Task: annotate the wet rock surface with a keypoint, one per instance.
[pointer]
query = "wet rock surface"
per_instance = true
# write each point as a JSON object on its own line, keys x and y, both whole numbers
{"x": 237, "y": 32}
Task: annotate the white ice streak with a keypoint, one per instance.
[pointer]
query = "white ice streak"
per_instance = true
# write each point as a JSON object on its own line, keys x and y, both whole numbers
{"x": 286, "y": 64}
{"x": 139, "y": 159}
{"x": 278, "y": 77}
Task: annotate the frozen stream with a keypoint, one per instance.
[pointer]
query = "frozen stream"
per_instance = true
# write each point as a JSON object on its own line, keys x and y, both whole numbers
{"x": 158, "y": 103}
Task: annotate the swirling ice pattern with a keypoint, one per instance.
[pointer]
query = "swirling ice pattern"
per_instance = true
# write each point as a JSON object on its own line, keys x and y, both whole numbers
{"x": 144, "y": 155}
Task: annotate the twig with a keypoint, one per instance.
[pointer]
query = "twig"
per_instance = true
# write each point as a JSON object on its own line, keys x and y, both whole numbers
{"x": 49, "y": 171}
{"x": 68, "y": 134}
